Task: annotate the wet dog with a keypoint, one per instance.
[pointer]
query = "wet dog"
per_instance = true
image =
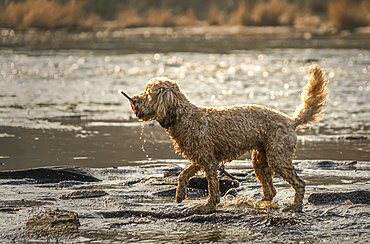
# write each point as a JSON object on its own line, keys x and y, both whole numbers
{"x": 211, "y": 136}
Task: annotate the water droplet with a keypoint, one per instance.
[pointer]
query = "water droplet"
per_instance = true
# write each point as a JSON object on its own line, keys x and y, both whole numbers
{"x": 141, "y": 137}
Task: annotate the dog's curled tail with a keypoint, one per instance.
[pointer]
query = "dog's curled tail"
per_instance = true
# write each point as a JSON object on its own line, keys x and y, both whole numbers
{"x": 312, "y": 98}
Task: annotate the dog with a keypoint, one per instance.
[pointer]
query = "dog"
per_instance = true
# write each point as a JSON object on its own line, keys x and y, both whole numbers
{"x": 211, "y": 136}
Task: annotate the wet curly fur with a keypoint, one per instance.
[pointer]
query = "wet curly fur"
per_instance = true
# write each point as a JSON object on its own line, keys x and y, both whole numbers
{"x": 210, "y": 136}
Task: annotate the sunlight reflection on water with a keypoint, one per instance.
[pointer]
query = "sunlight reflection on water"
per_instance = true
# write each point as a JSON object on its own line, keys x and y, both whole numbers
{"x": 44, "y": 85}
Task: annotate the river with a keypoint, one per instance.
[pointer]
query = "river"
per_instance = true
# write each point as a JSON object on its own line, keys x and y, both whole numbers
{"x": 65, "y": 107}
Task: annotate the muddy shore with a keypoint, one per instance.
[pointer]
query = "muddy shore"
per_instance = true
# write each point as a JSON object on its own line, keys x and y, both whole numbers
{"x": 136, "y": 204}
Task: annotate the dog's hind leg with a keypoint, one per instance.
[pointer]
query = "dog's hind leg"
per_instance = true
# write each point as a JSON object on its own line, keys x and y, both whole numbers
{"x": 282, "y": 165}
{"x": 298, "y": 184}
{"x": 213, "y": 189}
{"x": 264, "y": 174}
{"x": 213, "y": 185}
{"x": 184, "y": 181}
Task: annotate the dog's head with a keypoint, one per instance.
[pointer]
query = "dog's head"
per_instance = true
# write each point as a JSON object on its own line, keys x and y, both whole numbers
{"x": 159, "y": 101}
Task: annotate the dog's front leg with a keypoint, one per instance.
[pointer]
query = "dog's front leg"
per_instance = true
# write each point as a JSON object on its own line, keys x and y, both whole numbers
{"x": 213, "y": 190}
{"x": 184, "y": 181}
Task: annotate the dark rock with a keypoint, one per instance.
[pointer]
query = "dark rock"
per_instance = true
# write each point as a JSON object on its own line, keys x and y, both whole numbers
{"x": 8, "y": 210}
{"x": 356, "y": 197}
{"x": 326, "y": 164}
{"x": 333, "y": 164}
{"x": 191, "y": 192}
{"x": 352, "y": 138}
{"x": 84, "y": 194}
{"x": 50, "y": 174}
{"x": 166, "y": 193}
{"x": 348, "y": 138}
{"x": 19, "y": 182}
{"x": 53, "y": 225}
{"x": 198, "y": 182}
{"x": 69, "y": 183}
{"x": 351, "y": 164}
{"x": 202, "y": 183}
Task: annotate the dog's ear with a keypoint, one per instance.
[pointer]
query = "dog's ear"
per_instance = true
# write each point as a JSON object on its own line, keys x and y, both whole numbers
{"x": 166, "y": 107}
{"x": 163, "y": 96}
{"x": 164, "y": 101}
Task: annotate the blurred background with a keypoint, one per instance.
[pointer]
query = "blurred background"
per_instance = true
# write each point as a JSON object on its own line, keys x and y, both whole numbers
{"x": 342, "y": 14}
{"x": 64, "y": 63}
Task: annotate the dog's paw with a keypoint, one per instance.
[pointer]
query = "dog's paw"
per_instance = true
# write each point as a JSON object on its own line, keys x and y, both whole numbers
{"x": 293, "y": 208}
{"x": 180, "y": 195}
{"x": 266, "y": 198}
{"x": 205, "y": 208}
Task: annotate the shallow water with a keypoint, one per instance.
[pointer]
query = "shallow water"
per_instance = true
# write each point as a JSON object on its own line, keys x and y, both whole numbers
{"x": 41, "y": 85}
{"x": 65, "y": 107}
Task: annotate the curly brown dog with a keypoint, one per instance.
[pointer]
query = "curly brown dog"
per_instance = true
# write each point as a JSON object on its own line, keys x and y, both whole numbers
{"x": 210, "y": 136}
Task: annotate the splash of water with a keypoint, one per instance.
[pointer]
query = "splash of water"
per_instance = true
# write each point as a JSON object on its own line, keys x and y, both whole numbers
{"x": 262, "y": 206}
{"x": 141, "y": 138}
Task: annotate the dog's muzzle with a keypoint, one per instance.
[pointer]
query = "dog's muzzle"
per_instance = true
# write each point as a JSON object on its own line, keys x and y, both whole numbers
{"x": 134, "y": 110}
{"x": 132, "y": 104}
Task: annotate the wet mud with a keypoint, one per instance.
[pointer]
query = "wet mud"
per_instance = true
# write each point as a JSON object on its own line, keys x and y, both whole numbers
{"x": 137, "y": 204}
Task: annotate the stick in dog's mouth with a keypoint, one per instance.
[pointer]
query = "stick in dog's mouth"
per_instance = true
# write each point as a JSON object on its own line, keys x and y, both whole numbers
{"x": 131, "y": 103}
{"x": 127, "y": 96}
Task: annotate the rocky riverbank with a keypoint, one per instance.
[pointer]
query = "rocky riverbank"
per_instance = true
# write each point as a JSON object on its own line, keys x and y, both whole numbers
{"x": 136, "y": 204}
